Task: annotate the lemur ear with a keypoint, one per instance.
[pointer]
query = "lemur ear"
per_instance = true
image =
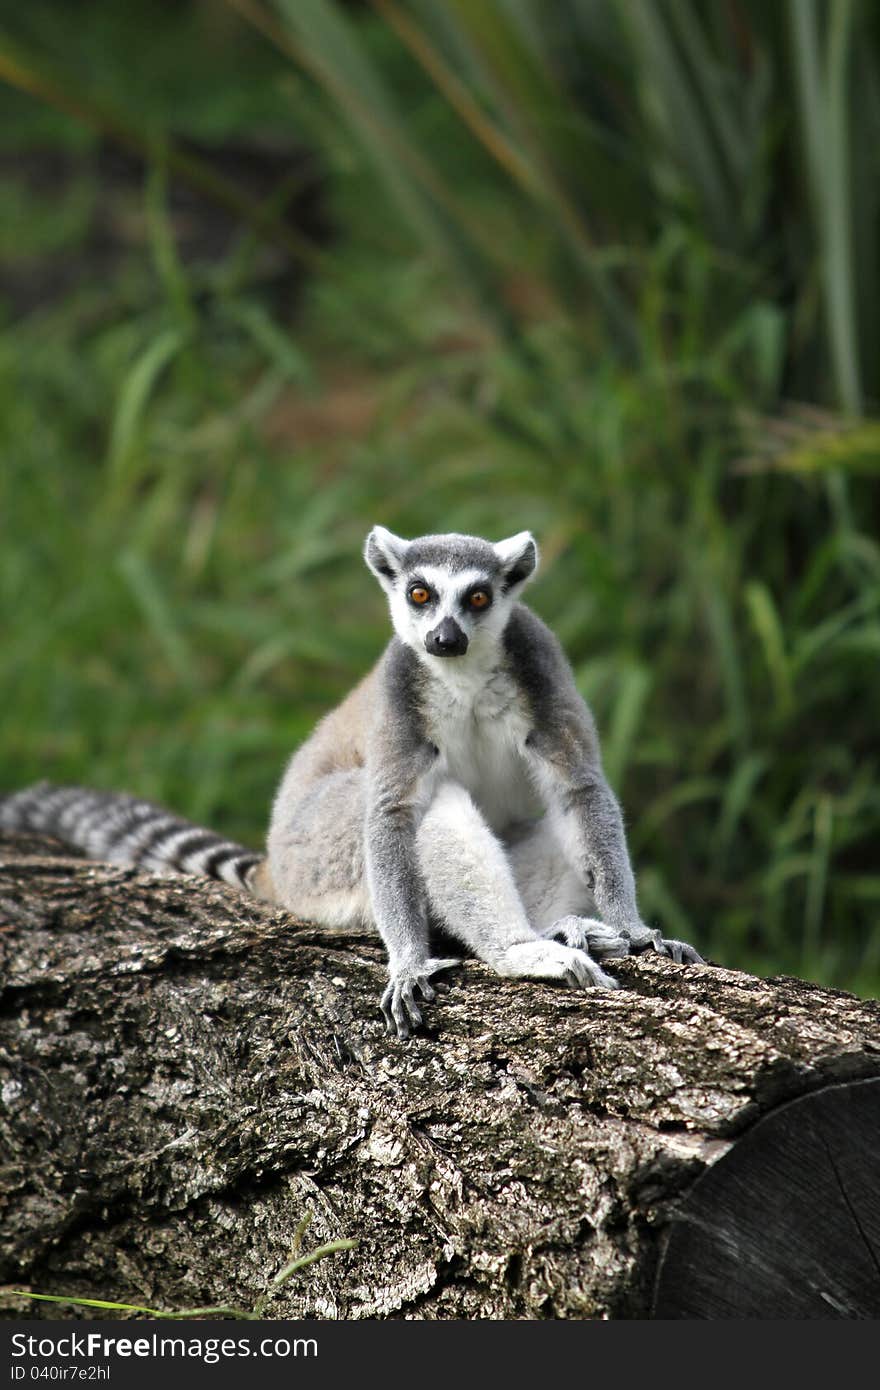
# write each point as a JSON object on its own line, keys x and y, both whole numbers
{"x": 384, "y": 553}
{"x": 519, "y": 559}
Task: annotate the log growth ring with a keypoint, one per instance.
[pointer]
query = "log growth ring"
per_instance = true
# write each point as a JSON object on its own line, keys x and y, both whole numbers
{"x": 787, "y": 1223}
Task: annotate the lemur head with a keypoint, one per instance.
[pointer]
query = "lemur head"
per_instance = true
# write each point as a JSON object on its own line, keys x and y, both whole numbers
{"x": 450, "y": 594}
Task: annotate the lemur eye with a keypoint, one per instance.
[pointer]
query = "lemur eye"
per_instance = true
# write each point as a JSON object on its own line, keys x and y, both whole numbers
{"x": 419, "y": 595}
{"x": 479, "y": 599}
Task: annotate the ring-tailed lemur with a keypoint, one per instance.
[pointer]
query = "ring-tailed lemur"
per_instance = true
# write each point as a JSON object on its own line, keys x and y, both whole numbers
{"x": 459, "y": 784}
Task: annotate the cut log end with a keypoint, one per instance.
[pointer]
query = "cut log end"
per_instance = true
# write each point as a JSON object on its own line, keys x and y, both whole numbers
{"x": 787, "y": 1223}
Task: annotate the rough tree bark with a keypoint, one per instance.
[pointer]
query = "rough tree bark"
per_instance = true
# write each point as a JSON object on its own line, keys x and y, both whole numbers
{"x": 185, "y": 1073}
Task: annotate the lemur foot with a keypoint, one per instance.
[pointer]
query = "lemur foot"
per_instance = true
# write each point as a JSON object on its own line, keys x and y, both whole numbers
{"x": 645, "y": 939}
{"x": 402, "y": 1013}
{"x": 600, "y": 940}
{"x": 550, "y": 960}
{"x": 590, "y": 935}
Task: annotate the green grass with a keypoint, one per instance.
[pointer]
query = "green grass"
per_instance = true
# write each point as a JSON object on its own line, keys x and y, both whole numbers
{"x": 294, "y": 1264}
{"x": 187, "y": 479}
{"x": 183, "y": 596}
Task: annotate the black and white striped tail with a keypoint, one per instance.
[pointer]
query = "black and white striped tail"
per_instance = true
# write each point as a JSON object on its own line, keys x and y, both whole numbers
{"x": 120, "y": 829}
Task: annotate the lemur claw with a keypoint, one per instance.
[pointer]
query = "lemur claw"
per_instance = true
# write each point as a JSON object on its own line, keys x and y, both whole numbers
{"x": 398, "y": 1004}
{"x": 681, "y": 952}
{"x": 604, "y": 942}
{"x": 646, "y": 939}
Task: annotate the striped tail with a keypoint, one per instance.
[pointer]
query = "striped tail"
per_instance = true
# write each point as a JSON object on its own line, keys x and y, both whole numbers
{"x": 120, "y": 829}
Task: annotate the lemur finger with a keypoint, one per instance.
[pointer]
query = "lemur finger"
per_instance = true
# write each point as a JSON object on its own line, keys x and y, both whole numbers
{"x": 646, "y": 939}
{"x": 392, "y": 1006}
{"x": 605, "y": 941}
{"x": 401, "y": 1022}
{"x": 385, "y": 1006}
{"x": 587, "y": 972}
{"x": 445, "y": 964}
{"x": 408, "y": 996}
{"x": 580, "y": 967}
{"x": 683, "y": 954}
{"x": 600, "y": 979}
{"x": 589, "y": 935}
{"x": 430, "y": 991}
{"x": 594, "y": 974}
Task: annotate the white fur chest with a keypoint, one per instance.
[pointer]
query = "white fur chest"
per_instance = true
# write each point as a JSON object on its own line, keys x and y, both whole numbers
{"x": 480, "y": 726}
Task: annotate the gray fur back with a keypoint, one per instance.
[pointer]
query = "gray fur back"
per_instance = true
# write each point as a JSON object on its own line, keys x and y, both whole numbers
{"x": 121, "y": 829}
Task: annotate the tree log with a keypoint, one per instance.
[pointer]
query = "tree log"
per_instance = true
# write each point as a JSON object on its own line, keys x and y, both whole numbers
{"x": 186, "y": 1073}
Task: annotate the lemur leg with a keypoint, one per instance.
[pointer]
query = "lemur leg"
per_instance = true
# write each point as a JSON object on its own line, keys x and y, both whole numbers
{"x": 473, "y": 893}
{"x": 315, "y": 869}
{"x": 557, "y": 902}
{"x": 316, "y": 853}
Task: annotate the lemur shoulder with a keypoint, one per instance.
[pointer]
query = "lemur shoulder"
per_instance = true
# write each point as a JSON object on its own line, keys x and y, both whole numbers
{"x": 459, "y": 786}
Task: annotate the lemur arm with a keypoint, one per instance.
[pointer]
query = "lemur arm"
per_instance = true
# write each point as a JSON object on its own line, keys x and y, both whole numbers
{"x": 563, "y": 748}
{"x": 399, "y": 761}
{"x": 592, "y": 831}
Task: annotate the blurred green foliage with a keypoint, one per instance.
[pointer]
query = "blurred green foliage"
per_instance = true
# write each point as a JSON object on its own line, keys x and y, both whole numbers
{"x": 590, "y": 274}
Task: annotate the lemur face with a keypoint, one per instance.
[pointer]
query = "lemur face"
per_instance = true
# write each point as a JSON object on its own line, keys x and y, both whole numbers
{"x": 450, "y": 595}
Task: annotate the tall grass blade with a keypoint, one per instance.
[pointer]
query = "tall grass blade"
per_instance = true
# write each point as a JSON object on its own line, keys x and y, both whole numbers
{"x": 768, "y": 627}
{"x": 823, "y": 103}
{"x": 632, "y": 693}
{"x": 158, "y": 613}
{"x": 817, "y": 881}
{"x": 135, "y": 394}
{"x": 837, "y": 201}
{"x": 673, "y": 108}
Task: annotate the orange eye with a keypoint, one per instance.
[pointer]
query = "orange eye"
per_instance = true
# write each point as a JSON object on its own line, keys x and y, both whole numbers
{"x": 419, "y": 595}
{"x": 479, "y": 599}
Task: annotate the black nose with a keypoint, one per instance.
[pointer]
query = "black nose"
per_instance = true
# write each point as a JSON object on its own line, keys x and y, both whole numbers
{"x": 446, "y": 639}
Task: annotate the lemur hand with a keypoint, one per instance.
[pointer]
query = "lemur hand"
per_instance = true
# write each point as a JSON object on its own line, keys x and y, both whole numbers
{"x": 642, "y": 938}
{"x": 604, "y": 942}
{"x": 402, "y": 1013}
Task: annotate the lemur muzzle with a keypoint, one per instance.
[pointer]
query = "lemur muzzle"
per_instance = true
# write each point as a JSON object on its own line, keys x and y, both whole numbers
{"x": 446, "y": 639}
